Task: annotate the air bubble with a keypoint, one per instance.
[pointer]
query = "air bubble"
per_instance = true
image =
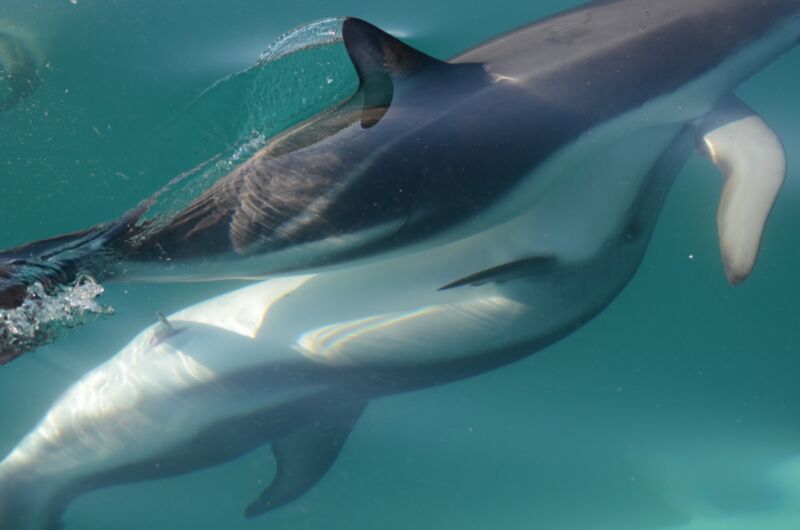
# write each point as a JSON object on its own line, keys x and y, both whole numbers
{"x": 46, "y": 315}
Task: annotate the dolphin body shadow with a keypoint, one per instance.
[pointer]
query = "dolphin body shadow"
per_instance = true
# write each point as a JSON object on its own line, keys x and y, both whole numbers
{"x": 485, "y": 207}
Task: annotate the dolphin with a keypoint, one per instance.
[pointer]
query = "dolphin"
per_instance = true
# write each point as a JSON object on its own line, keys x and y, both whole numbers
{"x": 427, "y": 151}
{"x": 527, "y": 173}
{"x": 19, "y": 65}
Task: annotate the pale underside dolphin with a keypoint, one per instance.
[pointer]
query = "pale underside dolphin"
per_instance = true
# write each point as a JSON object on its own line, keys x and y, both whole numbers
{"x": 527, "y": 174}
{"x": 428, "y": 152}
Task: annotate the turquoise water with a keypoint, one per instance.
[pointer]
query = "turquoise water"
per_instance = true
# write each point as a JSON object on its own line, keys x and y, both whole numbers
{"x": 678, "y": 405}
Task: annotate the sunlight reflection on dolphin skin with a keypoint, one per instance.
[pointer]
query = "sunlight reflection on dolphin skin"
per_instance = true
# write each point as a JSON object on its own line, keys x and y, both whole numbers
{"x": 116, "y": 390}
{"x": 395, "y": 335}
{"x": 117, "y": 394}
{"x": 242, "y": 311}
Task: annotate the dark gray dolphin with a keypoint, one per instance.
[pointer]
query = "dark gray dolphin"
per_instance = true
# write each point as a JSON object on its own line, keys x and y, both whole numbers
{"x": 425, "y": 146}
{"x": 587, "y": 116}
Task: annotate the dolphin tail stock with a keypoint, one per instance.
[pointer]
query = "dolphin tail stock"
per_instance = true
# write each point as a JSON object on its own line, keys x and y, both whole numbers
{"x": 23, "y": 506}
{"x": 49, "y": 286}
{"x": 60, "y": 260}
{"x": 14, "y": 507}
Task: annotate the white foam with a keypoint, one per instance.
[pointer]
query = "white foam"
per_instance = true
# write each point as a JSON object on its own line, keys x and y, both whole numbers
{"x": 46, "y": 314}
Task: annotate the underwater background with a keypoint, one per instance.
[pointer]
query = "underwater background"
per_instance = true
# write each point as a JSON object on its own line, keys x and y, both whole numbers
{"x": 677, "y": 407}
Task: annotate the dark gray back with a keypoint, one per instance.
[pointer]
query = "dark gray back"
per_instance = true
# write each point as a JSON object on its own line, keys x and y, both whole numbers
{"x": 606, "y": 57}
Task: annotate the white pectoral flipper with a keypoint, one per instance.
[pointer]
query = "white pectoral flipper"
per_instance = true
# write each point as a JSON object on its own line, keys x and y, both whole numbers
{"x": 753, "y": 163}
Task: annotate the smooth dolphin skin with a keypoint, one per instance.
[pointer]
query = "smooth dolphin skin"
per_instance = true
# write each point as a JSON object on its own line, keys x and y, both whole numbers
{"x": 429, "y": 151}
{"x": 522, "y": 182}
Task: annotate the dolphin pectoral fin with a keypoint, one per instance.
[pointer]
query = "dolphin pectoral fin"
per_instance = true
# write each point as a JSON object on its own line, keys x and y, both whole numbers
{"x": 304, "y": 457}
{"x": 521, "y": 268}
{"x": 379, "y": 60}
{"x": 753, "y": 163}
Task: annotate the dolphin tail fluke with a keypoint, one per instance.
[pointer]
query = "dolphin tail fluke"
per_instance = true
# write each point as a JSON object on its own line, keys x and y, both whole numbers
{"x": 304, "y": 457}
{"x": 752, "y": 161}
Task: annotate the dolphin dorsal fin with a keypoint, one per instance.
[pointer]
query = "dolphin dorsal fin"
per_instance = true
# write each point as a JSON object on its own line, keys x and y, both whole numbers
{"x": 380, "y": 61}
{"x": 373, "y": 51}
{"x": 752, "y": 160}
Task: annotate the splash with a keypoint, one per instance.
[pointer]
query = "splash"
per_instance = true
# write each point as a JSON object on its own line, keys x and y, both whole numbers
{"x": 45, "y": 315}
{"x": 317, "y": 33}
{"x": 302, "y": 73}
{"x": 175, "y": 195}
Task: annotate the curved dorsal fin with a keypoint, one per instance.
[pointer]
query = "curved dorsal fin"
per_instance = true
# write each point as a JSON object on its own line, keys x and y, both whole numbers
{"x": 380, "y": 60}
{"x": 373, "y": 51}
